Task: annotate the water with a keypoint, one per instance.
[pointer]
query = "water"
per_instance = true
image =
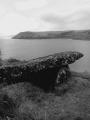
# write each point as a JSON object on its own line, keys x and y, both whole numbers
{"x": 30, "y": 49}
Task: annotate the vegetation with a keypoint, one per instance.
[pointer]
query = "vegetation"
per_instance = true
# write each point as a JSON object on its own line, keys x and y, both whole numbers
{"x": 71, "y": 101}
{"x": 24, "y": 101}
{"x": 77, "y": 35}
{"x": 11, "y": 61}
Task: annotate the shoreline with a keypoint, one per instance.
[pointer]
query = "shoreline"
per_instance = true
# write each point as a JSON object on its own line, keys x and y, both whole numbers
{"x": 50, "y": 39}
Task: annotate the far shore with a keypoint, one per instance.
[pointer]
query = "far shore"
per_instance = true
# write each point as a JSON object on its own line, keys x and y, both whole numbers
{"x": 73, "y": 35}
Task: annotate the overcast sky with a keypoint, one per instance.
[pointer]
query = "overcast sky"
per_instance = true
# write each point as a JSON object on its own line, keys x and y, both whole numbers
{"x": 43, "y": 15}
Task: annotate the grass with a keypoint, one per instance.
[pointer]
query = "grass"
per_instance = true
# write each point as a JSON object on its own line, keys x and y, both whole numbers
{"x": 70, "y": 101}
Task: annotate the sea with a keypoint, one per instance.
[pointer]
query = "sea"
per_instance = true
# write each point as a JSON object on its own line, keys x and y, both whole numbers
{"x": 27, "y": 49}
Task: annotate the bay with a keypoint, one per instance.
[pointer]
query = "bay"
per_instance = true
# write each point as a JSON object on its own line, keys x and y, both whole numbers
{"x": 34, "y": 48}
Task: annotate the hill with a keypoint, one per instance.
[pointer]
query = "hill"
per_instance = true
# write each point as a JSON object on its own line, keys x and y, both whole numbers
{"x": 77, "y": 35}
{"x": 26, "y": 101}
{"x": 23, "y": 101}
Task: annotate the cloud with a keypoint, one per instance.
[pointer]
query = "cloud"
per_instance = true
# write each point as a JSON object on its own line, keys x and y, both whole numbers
{"x": 3, "y": 9}
{"x": 30, "y": 4}
{"x": 53, "y": 18}
{"x": 13, "y": 23}
{"x": 62, "y": 8}
{"x": 44, "y": 26}
{"x": 57, "y": 22}
{"x": 49, "y": 15}
{"x": 77, "y": 21}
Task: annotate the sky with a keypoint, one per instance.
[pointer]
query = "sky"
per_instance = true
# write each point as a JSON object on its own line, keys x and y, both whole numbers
{"x": 43, "y": 15}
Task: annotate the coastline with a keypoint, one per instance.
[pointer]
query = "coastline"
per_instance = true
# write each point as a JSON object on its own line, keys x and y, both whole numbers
{"x": 50, "y": 39}
{"x": 74, "y": 35}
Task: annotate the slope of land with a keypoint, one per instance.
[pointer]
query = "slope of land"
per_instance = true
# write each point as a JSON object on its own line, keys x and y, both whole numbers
{"x": 25, "y": 101}
{"x": 70, "y": 101}
{"x": 77, "y": 35}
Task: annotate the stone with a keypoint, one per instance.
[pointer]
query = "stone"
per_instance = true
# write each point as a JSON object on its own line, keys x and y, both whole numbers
{"x": 63, "y": 75}
{"x": 44, "y": 72}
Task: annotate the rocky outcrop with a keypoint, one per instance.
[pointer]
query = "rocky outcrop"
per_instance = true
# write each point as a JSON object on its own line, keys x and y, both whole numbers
{"x": 44, "y": 72}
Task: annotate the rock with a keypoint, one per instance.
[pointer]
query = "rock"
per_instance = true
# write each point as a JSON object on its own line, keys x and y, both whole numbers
{"x": 63, "y": 75}
{"x": 42, "y": 72}
{"x": 52, "y": 61}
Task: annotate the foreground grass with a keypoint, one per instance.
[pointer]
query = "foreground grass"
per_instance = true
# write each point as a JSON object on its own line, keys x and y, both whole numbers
{"x": 71, "y": 101}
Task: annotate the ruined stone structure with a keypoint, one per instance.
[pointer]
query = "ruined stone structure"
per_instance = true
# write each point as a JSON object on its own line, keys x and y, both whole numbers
{"x": 45, "y": 72}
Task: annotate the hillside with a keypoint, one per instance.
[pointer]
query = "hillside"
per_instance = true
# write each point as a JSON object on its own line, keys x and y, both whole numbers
{"x": 26, "y": 101}
{"x": 78, "y": 35}
{"x": 23, "y": 101}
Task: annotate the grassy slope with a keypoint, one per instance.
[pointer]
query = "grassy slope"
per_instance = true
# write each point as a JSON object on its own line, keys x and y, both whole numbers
{"x": 70, "y": 101}
{"x": 77, "y": 35}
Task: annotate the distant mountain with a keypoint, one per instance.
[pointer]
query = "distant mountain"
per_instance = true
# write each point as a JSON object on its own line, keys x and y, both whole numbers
{"x": 78, "y": 35}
